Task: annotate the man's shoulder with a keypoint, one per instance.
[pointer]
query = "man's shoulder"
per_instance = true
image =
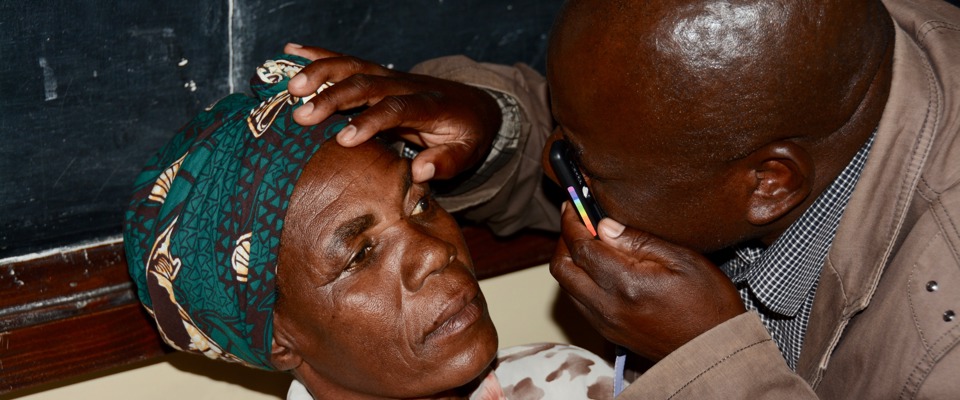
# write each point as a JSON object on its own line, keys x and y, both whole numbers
{"x": 932, "y": 28}
{"x": 933, "y": 24}
{"x": 915, "y": 13}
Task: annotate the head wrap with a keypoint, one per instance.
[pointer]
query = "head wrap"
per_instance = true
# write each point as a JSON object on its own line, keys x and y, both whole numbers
{"x": 202, "y": 231}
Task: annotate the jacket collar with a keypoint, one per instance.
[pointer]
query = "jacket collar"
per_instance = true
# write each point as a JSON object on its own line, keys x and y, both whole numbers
{"x": 871, "y": 226}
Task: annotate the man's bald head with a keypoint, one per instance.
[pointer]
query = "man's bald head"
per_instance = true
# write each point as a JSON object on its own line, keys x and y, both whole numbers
{"x": 710, "y": 123}
{"x": 768, "y": 69}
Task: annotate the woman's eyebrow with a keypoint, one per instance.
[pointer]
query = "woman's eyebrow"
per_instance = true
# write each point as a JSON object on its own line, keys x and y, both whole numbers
{"x": 348, "y": 230}
{"x": 407, "y": 179}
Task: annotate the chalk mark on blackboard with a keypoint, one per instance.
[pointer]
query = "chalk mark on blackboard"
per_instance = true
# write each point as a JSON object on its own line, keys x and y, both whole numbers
{"x": 105, "y": 182}
{"x": 55, "y": 183}
{"x": 166, "y": 32}
{"x": 49, "y": 80}
{"x": 280, "y": 7}
{"x": 363, "y": 24}
{"x": 230, "y": 45}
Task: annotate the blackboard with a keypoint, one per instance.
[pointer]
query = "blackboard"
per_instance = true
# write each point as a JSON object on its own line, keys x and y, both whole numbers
{"x": 89, "y": 89}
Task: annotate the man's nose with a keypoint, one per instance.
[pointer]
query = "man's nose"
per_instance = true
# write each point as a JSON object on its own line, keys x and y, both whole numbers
{"x": 424, "y": 254}
{"x": 545, "y": 155}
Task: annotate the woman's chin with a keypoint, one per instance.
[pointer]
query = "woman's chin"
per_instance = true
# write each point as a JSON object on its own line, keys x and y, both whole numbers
{"x": 471, "y": 363}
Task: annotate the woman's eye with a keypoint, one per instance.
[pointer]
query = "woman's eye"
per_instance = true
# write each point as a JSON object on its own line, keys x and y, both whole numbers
{"x": 358, "y": 258}
{"x": 422, "y": 205}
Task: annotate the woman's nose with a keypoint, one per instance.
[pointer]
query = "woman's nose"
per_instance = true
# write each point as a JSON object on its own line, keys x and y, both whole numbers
{"x": 424, "y": 254}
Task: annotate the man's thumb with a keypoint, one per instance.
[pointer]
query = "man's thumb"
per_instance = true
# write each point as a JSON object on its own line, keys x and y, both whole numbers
{"x": 610, "y": 229}
{"x": 441, "y": 162}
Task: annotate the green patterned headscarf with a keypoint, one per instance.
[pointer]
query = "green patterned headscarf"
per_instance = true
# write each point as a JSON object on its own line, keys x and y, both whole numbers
{"x": 203, "y": 229}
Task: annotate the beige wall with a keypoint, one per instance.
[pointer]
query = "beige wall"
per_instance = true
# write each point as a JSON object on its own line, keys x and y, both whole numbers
{"x": 525, "y": 305}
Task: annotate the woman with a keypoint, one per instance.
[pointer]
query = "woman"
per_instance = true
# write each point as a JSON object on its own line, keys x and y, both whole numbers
{"x": 252, "y": 240}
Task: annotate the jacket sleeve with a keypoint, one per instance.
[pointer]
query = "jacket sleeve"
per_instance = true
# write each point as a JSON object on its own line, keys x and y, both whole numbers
{"x": 735, "y": 360}
{"x": 511, "y": 197}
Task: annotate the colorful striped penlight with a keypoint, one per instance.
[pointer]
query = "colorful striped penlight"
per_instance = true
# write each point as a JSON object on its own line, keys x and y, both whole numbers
{"x": 581, "y": 210}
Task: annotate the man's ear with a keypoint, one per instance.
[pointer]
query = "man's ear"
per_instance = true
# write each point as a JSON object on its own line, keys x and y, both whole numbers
{"x": 782, "y": 178}
{"x": 283, "y": 353}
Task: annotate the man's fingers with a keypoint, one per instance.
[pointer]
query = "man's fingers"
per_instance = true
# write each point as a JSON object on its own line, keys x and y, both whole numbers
{"x": 414, "y": 111}
{"x": 597, "y": 305}
{"x": 331, "y": 69}
{"x": 571, "y": 226}
{"x": 453, "y": 122}
{"x": 574, "y": 280}
{"x": 422, "y": 170}
{"x": 586, "y": 252}
{"x": 354, "y": 91}
{"x": 627, "y": 239}
{"x": 309, "y": 52}
{"x": 339, "y": 97}
{"x": 441, "y": 162}
{"x": 644, "y": 246}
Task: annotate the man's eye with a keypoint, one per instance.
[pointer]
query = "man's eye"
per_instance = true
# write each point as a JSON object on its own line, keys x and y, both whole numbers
{"x": 357, "y": 260}
{"x": 422, "y": 205}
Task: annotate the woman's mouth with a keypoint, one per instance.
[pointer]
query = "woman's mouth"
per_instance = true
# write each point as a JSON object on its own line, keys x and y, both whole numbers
{"x": 459, "y": 315}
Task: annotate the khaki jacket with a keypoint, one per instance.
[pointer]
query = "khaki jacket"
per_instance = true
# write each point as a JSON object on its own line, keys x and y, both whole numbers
{"x": 880, "y": 326}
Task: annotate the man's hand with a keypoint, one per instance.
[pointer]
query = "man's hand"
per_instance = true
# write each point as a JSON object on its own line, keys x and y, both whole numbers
{"x": 638, "y": 291}
{"x": 454, "y": 122}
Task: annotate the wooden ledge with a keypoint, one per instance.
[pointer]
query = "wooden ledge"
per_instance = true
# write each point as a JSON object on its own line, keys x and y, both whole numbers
{"x": 76, "y": 312}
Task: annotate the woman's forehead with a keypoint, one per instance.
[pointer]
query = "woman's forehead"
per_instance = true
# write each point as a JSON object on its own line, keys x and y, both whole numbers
{"x": 334, "y": 165}
{"x": 338, "y": 179}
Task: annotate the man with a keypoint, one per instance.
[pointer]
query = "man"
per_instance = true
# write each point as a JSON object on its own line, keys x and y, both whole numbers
{"x": 792, "y": 159}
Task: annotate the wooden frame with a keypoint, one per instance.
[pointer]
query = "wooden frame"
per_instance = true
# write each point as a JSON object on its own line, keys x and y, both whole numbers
{"x": 75, "y": 312}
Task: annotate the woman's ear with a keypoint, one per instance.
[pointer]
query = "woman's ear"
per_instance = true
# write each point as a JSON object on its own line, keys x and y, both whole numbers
{"x": 782, "y": 175}
{"x": 283, "y": 352}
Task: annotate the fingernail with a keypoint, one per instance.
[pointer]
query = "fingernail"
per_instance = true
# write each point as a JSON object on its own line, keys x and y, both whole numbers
{"x": 611, "y": 228}
{"x": 427, "y": 173}
{"x": 563, "y": 207}
{"x": 304, "y": 110}
{"x": 295, "y": 45}
{"x": 347, "y": 134}
{"x": 297, "y": 80}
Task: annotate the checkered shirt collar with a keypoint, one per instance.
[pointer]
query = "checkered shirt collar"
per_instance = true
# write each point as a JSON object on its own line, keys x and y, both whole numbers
{"x": 782, "y": 275}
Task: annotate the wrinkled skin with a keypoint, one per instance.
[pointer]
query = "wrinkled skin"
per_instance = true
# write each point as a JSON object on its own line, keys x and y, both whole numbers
{"x": 700, "y": 125}
{"x": 377, "y": 293}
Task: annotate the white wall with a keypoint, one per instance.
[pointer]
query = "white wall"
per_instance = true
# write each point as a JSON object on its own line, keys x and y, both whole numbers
{"x": 526, "y": 307}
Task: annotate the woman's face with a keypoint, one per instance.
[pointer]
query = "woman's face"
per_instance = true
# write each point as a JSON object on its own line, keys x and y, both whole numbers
{"x": 377, "y": 291}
